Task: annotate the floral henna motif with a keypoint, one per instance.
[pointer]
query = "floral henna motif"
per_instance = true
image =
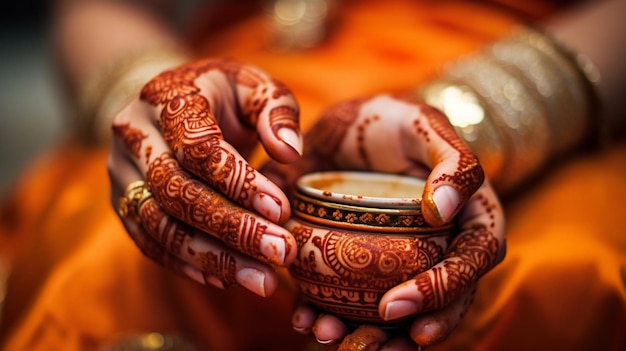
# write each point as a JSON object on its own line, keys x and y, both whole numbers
{"x": 188, "y": 200}
{"x": 471, "y": 254}
{"x": 192, "y": 131}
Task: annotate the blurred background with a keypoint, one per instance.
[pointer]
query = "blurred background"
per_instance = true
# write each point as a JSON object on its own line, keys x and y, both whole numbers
{"x": 31, "y": 103}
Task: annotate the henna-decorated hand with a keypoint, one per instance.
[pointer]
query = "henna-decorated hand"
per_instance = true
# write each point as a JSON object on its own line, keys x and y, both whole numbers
{"x": 212, "y": 216}
{"x": 401, "y": 135}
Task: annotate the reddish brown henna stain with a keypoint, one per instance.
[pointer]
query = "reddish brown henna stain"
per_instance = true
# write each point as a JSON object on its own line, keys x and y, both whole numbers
{"x": 222, "y": 266}
{"x": 189, "y": 200}
{"x": 192, "y": 131}
{"x": 471, "y": 254}
{"x": 326, "y": 136}
{"x": 131, "y": 137}
{"x": 283, "y": 117}
{"x": 469, "y": 175}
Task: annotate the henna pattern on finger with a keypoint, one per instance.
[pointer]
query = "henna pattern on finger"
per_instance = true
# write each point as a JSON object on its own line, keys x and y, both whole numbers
{"x": 326, "y": 136}
{"x": 192, "y": 130}
{"x": 187, "y": 199}
{"x": 469, "y": 175}
{"x": 222, "y": 266}
{"x": 166, "y": 231}
{"x": 131, "y": 137}
{"x": 172, "y": 235}
{"x": 283, "y": 117}
{"x": 471, "y": 254}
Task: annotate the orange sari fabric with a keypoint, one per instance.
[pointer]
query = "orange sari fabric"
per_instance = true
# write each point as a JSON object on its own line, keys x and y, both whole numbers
{"x": 78, "y": 282}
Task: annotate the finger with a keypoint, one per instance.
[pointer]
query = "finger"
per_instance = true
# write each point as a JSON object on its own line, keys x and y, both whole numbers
{"x": 364, "y": 338}
{"x": 268, "y": 105}
{"x": 157, "y": 253}
{"x": 478, "y": 247}
{"x": 191, "y": 201}
{"x": 455, "y": 171}
{"x": 182, "y": 248}
{"x": 303, "y": 319}
{"x": 192, "y": 128}
{"x": 218, "y": 265}
{"x": 436, "y": 326}
{"x": 329, "y": 329}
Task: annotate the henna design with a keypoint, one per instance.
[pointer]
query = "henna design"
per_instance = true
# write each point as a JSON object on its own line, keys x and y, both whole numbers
{"x": 131, "y": 137}
{"x": 329, "y": 132}
{"x": 468, "y": 176}
{"x": 192, "y": 130}
{"x": 283, "y": 117}
{"x": 222, "y": 266}
{"x": 347, "y": 273}
{"x": 280, "y": 89}
{"x": 171, "y": 235}
{"x": 188, "y": 200}
{"x": 471, "y": 254}
{"x": 167, "y": 232}
{"x": 361, "y": 142}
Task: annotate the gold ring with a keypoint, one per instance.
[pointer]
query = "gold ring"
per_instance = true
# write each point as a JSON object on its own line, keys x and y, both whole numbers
{"x": 136, "y": 194}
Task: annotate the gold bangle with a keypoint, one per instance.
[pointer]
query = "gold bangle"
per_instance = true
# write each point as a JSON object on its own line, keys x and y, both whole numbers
{"x": 116, "y": 85}
{"x": 528, "y": 92}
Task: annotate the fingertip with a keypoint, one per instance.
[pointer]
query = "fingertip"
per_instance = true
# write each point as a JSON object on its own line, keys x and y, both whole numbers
{"x": 291, "y": 138}
{"x": 446, "y": 201}
{"x": 303, "y": 319}
{"x": 329, "y": 329}
{"x": 426, "y": 332}
{"x": 399, "y": 302}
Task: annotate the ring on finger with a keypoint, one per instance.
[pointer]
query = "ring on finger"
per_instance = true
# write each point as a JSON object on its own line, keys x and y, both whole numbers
{"x": 136, "y": 194}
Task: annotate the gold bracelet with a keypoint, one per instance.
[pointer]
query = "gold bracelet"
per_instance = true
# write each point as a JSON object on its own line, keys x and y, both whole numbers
{"x": 116, "y": 85}
{"x": 528, "y": 91}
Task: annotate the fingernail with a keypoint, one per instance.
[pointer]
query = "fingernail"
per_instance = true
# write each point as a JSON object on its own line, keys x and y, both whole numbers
{"x": 446, "y": 198}
{"x": 400, "y": 308}
{"x": 273, "y": 248}
{"x": 252, "y": 280}
{"x": 213, "y": 280}
{"x": 430, "y": 333}
{"x": 291, "y": 138}
{"x": 267, "y": 206}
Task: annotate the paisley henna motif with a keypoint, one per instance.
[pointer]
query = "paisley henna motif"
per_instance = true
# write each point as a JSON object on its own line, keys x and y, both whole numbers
{"x": 347, "y": 273}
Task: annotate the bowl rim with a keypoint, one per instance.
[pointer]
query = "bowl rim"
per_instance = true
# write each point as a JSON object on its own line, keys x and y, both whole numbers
{"x": 302, "y": 185}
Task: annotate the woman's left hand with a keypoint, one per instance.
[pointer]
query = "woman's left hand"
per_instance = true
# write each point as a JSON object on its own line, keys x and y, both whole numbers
{"x": 401, "y": 135}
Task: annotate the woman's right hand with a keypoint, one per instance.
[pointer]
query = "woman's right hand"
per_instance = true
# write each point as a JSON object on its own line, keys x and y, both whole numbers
{"x": 180, "y": 180}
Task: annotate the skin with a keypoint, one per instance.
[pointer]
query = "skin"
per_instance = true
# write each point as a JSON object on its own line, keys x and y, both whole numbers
{"x": 173, "y": 136}
{"x": 86, "y": 42}
{"x": 423, "y": 144}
